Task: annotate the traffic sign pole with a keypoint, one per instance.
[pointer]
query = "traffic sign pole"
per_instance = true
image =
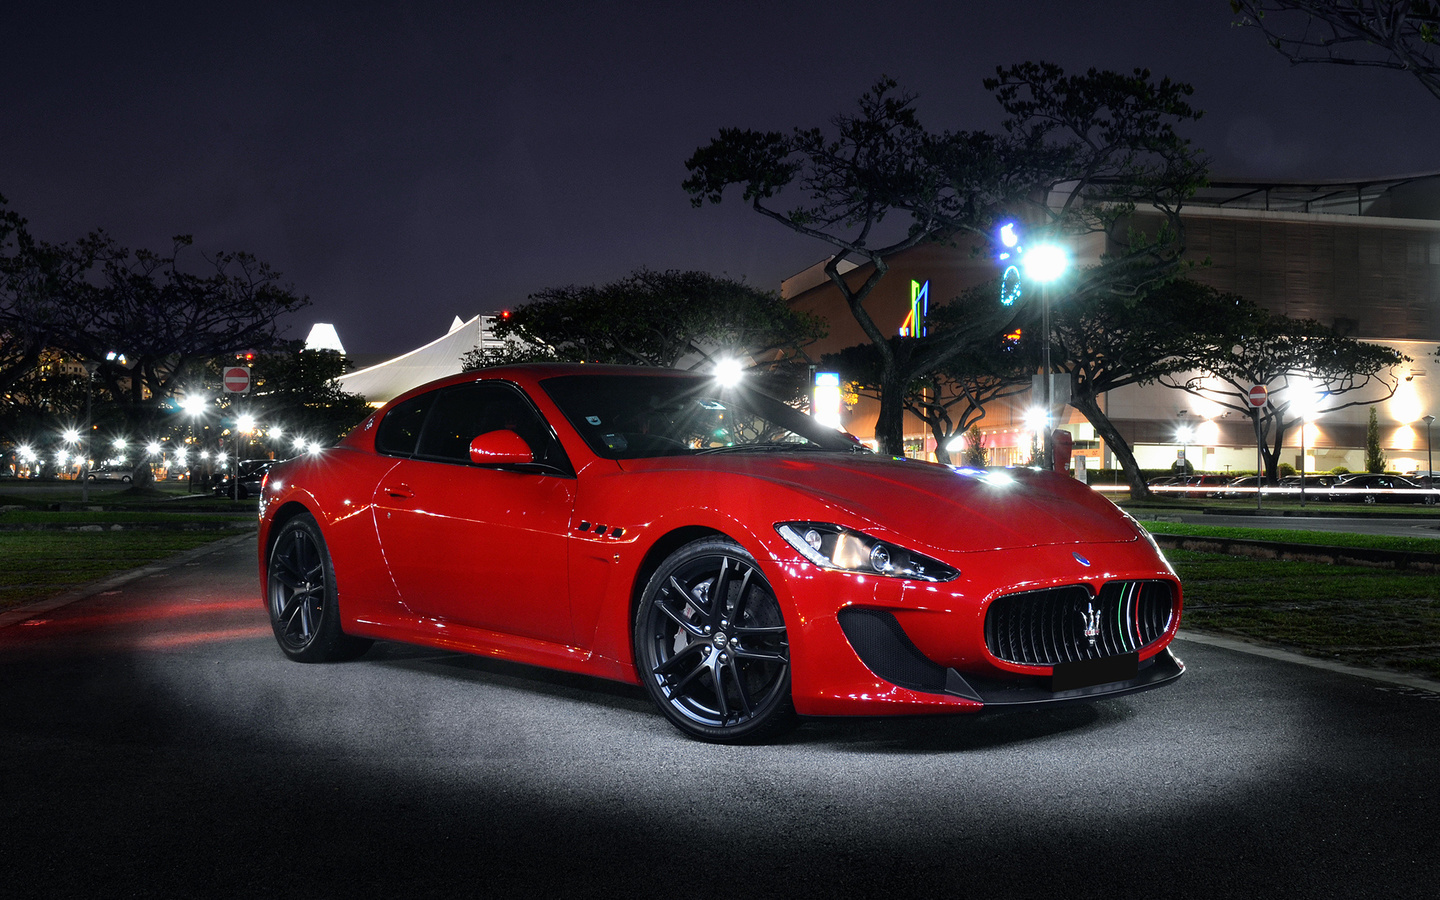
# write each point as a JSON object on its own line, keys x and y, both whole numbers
{"x": 1258, "y": 396}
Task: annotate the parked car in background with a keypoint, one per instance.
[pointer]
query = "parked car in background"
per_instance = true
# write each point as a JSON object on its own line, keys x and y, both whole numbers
{"x": 1312, "y": 483}
{"x": 1380, "y": 488}
{"x": 107, "y": 472}
{"x": 1206, "y": 485}
{"x": 247, "y": 485}
{"x": 1243, "y": 486}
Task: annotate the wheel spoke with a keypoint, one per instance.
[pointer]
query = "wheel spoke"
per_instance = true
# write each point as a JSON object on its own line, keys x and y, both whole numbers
{"x": 735, "y": 675}
{"x": 286, "y": 578}
{"x": 292, "y": 607}
{"x": 721, "y": 707}
{"x": 740, "y": 595}
{"x": 695, "y": 673}
{"x": 307, "y": 617}
{"x": 721, "y": 592}
{"x": 776, "y": 656}
{"x": 667, "y": 665}
{"x": 748, "y": 630}
{"x": 679, "y": 618}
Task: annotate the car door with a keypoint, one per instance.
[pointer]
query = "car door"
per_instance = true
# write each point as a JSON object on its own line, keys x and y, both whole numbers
{"x": 475, "y": 545}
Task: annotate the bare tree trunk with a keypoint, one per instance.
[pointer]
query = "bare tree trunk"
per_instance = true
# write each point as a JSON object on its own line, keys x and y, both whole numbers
{"x": 890, "y": 426}
{"x": 1089, "y": 407}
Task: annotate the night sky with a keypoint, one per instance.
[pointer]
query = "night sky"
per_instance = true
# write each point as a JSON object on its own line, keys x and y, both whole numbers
{"x": 402, "y": 164}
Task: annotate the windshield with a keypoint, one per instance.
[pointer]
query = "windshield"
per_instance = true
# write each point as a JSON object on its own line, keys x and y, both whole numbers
{"x": 640, "y": 416}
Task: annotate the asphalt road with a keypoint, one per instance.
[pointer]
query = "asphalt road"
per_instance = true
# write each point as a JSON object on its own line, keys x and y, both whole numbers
{"x": 154, "y": 743}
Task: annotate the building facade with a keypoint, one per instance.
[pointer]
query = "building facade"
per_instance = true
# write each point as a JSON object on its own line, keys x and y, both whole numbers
{"x": 1363, "y": 257}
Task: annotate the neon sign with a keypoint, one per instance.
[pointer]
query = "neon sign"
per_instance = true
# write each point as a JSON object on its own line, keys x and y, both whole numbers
{"x": 914, "y": 324}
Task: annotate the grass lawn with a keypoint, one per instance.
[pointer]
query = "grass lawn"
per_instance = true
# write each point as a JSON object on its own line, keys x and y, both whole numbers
{"x": 1318, "y": 538}
{"x": 38, "y": 564}
{"x": 1358, "y": 615}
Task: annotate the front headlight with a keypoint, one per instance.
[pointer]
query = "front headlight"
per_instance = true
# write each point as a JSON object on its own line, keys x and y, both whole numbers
{"x": 836, "y": 547}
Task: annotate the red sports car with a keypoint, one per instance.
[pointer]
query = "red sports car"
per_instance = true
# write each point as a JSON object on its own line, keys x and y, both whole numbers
{"x": 714, "y": 545}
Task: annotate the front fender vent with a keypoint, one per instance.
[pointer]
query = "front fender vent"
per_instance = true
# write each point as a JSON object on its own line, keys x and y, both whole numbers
{"x": 1066, "y": 624}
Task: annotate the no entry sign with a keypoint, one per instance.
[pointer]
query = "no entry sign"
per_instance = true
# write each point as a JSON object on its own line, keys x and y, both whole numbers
{"x": 1258, "y": 394}
{"x": 237, "y": 380}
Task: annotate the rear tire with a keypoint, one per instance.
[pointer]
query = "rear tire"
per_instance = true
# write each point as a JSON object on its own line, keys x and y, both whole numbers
{"x": 301, "y": 596}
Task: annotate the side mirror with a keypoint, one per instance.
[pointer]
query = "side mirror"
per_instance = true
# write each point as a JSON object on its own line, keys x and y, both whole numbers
{"x": 500, "y": 448}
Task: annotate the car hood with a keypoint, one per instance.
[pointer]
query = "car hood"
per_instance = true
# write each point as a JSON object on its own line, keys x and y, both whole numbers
{"x": 953, "y": 510}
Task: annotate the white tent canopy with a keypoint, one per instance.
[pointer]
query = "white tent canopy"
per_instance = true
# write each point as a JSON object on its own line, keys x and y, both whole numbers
{"x": 388, "y": 380}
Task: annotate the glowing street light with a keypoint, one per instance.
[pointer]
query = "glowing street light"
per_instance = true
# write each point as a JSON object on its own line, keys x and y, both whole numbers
{"x": 194, "y": 404}
{"x": 1043, "y": 263}
{"x": 1184, "y": 435}
{"x": 1046, "y": 262}
{"x": 729, "y": 371}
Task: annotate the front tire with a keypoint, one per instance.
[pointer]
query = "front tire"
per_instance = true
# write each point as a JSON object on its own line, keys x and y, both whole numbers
{"x": 711, "y": 647}
{"x": 301, "y": 596}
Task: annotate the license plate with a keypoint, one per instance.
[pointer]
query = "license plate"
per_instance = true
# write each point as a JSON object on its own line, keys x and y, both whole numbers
{"x": 1090, "y": 672}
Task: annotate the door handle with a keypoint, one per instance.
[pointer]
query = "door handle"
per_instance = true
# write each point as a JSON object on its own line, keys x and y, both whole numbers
{"x": 399, "y": 491}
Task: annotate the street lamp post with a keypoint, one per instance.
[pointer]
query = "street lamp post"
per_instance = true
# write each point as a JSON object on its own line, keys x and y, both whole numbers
{"x": 194, "y": 406}
{"x": 1045, "y": 263}
{"x": 1429, "y": 471}
{"x": 90, "y": 367}
{"x": 1183, "y": 434}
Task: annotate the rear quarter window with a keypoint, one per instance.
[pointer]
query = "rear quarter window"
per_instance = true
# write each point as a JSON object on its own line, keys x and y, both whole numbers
{"x": 400, "y": 429}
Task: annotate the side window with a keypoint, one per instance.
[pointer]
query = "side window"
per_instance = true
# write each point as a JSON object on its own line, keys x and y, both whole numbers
{"x": 462, "y": 412}
{"x": 400, "y": 428}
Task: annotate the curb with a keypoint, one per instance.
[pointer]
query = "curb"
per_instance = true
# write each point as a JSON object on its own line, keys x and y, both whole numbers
{"x": 1401, "y": 679}
{"x": 30, "y": 610}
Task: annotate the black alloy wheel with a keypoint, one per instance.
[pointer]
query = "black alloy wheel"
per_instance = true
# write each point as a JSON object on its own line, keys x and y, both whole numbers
{"x": 710, "y": 645}
{"x": 301, "y": 596}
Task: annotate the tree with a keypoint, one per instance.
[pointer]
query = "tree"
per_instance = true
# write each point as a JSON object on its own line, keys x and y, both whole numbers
{"x": 949, "y": 398}
{"x": 1374, "y": 456}
{"x": 150, "y": 325}
{"x": 38, "y": 283}
{"x": 1107, "y": 341}
{"x": 1309, "y": 368}
{"x": 1077, "y": 155}
{"x": 300, "y": 389}
{"x": 976, "y": 454}
{"x": 652, "y": 319}
{"x": 1390, "y": 34}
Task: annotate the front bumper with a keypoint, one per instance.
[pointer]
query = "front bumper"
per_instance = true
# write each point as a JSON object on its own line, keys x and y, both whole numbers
{"x": 886, "y": 650}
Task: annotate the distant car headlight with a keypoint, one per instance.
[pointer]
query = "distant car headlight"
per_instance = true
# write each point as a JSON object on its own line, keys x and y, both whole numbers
{"x": 836, "y": 547}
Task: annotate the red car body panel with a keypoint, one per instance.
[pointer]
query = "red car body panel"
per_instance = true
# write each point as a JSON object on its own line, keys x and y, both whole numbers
{"x": 547, "y": 570}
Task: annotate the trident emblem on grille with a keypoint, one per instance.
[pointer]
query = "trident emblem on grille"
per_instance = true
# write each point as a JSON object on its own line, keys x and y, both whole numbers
{"x": 1091, "y": 615}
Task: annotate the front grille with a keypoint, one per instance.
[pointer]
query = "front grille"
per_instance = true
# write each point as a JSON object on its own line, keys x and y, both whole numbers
{"x": 1042, "y": 628}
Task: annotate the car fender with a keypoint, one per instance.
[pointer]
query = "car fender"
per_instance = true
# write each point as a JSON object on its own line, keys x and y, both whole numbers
{"x": 609, "y": 573}
{"x": 342, "y": 507}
